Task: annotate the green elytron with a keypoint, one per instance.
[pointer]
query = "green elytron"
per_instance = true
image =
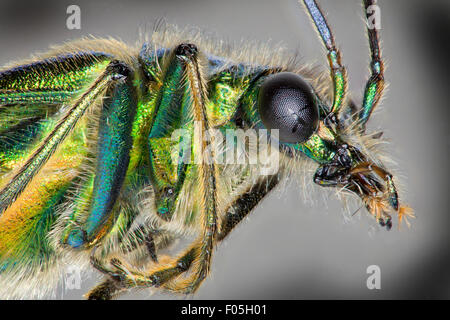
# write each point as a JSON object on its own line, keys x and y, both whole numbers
{"x": 88, "y": 173}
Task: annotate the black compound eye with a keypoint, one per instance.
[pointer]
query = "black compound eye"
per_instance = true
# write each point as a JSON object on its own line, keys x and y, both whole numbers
{"x": 286, "y": 102}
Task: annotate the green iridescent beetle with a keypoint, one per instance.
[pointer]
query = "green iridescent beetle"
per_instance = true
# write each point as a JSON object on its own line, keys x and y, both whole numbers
{"x": 94, "y": 170}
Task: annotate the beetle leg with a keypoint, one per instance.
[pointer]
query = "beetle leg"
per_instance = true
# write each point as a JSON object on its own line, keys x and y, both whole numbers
{"x": 114, "y": 144}
{"x": 49, "y": 145}
{"x": 106, "y": 290}
{"x": 242, "y": 206}
{"x": 120, "y": 277}
{"x": 235, "y": 212}
{"x": 142, "y": 235}
{"x": 32, "y": 94}
{"x": 375, "y": 84}
{"x": 208, "y": 175}
{"x": 186, "y": 57}
{"x": 207, "y": 198}
{"x": 166, "y": 276}
{"x": 172, "y": 112}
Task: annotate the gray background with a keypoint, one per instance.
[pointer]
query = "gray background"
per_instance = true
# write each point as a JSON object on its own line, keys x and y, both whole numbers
{"x": 288, "y": 249}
